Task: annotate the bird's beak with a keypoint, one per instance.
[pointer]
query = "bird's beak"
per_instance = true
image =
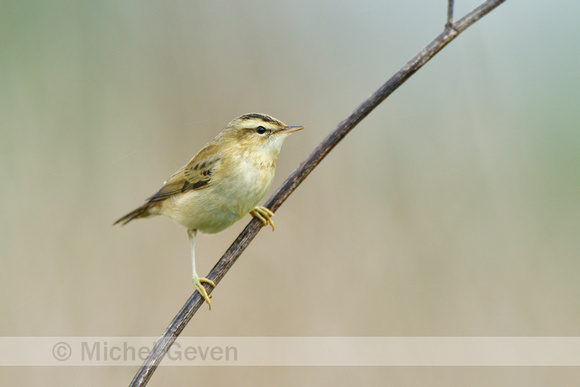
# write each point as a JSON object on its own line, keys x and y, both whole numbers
{"x": 290, "y": 129}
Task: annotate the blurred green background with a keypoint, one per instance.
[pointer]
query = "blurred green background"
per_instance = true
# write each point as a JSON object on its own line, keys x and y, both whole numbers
{"x": 452, "y": 210}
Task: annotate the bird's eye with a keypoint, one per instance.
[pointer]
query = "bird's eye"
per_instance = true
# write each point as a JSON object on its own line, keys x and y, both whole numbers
{"x": 260, "y": 130}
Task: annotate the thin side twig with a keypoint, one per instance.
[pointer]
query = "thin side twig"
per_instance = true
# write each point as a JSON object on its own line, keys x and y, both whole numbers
{"x": 449, "y": 14}
{"x": 293, "y": 181}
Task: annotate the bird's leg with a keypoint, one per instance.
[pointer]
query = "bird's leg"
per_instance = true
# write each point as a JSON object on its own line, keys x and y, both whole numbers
{"x": 263, "y": 214}
{"x": 196, "y": 280}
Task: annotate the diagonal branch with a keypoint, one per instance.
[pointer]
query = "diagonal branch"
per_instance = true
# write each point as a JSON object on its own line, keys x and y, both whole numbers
{"x": 451, "y": 31}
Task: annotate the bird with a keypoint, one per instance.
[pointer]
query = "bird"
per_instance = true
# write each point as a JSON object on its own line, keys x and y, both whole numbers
{"x": 222, "y": 183}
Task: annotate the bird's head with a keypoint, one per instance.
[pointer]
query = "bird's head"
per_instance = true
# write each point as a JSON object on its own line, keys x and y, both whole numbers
{"x": 256, "y": 132}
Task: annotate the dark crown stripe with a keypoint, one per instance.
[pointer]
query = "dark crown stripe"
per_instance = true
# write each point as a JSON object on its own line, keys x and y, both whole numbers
{"x": 263, "y": 117}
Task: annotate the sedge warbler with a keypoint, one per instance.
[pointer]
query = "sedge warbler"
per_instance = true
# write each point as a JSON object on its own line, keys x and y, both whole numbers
{"x": 223, "y": 182}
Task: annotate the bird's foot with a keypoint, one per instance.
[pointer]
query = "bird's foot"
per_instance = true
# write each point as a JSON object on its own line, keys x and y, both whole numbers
{"x": 263, "y": 214}
{"x": 201, "y": 289}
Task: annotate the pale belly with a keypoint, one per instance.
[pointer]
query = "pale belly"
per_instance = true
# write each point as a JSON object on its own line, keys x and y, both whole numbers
{"x": 216, "y": 207}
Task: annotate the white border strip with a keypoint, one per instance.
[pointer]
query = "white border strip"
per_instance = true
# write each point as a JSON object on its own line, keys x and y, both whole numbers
{"x": 294, "y": 351}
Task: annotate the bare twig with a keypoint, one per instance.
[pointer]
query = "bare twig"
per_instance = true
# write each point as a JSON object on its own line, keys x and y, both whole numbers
{"x": 452, "y": 30}
{"x": 449, "y": 14}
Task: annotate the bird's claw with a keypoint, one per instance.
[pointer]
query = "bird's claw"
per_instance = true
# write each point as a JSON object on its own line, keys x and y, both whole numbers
{"x": 201, "y": 289}
{"x": 264, "y": 215}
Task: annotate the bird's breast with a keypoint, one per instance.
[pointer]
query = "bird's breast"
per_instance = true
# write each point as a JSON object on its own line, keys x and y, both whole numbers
{"x": 234, "y": 191}
{"x": 250, "y": 181}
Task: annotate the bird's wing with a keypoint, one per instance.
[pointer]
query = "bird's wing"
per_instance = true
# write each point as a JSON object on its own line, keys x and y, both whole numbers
{"x": 196, "y": 174}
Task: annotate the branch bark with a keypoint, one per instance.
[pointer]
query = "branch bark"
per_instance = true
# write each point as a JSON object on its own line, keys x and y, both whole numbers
{"x": 451, "y": 31}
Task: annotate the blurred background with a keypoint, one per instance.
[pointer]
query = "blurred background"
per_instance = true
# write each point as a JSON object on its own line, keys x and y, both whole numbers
{"x": 452, "y": 210}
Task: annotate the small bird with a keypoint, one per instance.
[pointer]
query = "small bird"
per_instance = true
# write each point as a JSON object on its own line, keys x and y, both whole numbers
{"x": 222, "y": 183}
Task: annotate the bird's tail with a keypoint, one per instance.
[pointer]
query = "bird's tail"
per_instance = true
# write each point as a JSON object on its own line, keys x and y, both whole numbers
{"x": 140, "y": 212}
